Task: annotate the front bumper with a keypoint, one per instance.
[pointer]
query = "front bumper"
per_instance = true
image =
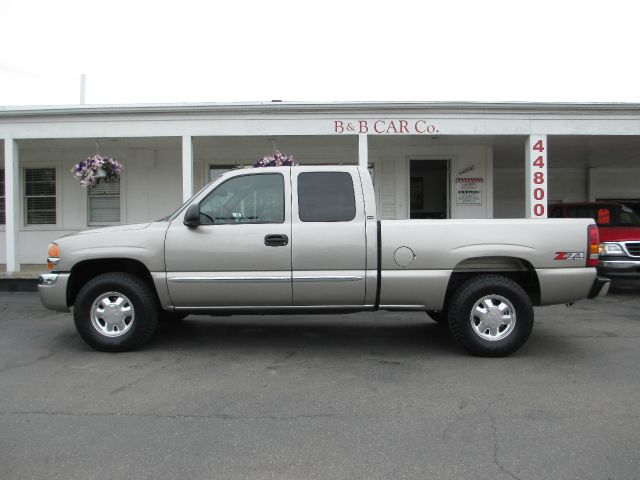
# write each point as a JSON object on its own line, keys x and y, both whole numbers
{"x": 52, "y": 288}
{"x": 619, "y": 267}
{"x": 599, "y": 288}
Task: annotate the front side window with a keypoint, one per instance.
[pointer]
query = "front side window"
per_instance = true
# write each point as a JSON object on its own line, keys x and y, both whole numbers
{"x": 257, "y": 198}
{"x": 326, "y": 197}
{"x": 40, "y": 196}
{"x": 104, "y": 203}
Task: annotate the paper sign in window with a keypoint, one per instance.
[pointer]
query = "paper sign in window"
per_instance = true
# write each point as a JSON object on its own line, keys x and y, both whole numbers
{"x": 604, "y": 216}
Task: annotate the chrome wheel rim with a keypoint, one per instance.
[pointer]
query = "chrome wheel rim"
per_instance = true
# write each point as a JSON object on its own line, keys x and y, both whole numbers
{"x": 112, "y": 314}
{"x": 493, "y": 318}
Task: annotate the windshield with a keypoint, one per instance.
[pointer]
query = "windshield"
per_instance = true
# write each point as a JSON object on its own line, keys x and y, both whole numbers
{"x": 606, "y": 215}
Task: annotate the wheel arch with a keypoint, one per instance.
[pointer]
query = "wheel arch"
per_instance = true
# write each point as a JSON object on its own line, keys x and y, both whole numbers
{"x": 517, "y": 269}
{"x": 85, "y": 270}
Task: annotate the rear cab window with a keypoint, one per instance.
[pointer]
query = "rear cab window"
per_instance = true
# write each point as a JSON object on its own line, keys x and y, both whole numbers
{"x": 326, "y": 197}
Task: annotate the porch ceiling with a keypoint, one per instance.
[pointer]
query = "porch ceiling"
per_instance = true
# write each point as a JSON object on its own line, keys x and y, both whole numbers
{"x": 569, "y": 151}
{"x": 577, "y": 151}
{"x": 106, "y": 143}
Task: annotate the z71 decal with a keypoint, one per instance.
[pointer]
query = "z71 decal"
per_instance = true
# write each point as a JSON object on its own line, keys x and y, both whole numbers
{"x": 569, "y": 256}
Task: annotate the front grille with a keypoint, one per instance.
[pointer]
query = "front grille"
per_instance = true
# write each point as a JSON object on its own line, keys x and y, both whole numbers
{"x": 633, "y": 248}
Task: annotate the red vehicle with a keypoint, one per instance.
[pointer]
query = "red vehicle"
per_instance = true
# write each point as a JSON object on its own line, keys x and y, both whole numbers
{"x": 619, "y": 229}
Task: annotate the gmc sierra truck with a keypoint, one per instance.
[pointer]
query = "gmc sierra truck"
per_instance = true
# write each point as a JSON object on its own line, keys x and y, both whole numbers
{"x": 306, "y": 239}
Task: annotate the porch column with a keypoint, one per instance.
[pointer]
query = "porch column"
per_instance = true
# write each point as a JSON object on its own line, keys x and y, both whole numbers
{"x": 363, "y": 150}
{"x": 187, "y": 168}
{"x": 11, "y": 202}
{"x": 536, "y": 178}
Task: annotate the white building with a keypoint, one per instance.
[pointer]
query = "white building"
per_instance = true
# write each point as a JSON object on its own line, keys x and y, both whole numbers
{"x": 428, "y": 160}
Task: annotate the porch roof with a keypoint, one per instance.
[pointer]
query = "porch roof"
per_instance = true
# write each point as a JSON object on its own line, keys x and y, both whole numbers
{"x": 276, "y": 106}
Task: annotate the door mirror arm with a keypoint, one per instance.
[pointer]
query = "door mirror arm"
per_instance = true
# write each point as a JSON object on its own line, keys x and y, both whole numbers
{"x": 192, "y": 216}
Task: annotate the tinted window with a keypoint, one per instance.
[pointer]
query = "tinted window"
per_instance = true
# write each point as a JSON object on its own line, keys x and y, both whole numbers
{"x": 606, "y": 215}
{"x": 326, "y": 197}
{"x": 582, "y": 211}
{"x": 556, "y": 212}
{"x": 246, "y": 199}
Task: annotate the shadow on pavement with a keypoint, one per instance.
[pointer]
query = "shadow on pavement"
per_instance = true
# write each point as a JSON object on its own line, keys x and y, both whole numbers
{"x": 628, "y": 288}
{"x": 198, "y": 332}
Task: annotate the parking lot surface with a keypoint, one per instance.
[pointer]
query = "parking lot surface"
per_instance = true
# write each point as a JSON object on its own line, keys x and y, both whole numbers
{"x": 377, "y": 395}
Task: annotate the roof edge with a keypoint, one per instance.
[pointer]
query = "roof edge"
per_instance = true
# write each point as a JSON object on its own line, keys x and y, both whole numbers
{"x": 277, "y": 106}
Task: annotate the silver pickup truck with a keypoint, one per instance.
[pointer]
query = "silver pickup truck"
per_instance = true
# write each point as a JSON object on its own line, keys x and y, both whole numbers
{"x": 307, "y": 239}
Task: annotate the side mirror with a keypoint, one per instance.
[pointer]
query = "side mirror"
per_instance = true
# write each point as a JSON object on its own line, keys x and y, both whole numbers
{"x": 192, "y": 217}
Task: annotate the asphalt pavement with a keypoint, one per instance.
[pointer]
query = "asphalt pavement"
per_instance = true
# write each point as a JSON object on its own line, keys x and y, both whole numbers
{"x": 369, "y": 396}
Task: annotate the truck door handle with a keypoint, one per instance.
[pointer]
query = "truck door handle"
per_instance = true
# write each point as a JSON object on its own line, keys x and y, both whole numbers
{"x": 276, "y": 240}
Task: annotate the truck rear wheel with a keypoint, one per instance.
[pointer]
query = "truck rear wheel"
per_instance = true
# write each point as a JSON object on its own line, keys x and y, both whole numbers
{"x": 115, "y": 312}
{"x": 490, "y": 316}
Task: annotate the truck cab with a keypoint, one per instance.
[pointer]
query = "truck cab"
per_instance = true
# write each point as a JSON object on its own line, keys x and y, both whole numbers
{"x": 239, "y": 250}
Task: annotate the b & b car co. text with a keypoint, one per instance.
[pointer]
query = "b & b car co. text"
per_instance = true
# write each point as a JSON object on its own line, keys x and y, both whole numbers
{"x": 385, "y": 126}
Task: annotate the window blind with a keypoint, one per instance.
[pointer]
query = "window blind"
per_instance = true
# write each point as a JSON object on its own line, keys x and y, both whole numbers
{"x": 104, "y": 203}
{"x": 40, "y": 196}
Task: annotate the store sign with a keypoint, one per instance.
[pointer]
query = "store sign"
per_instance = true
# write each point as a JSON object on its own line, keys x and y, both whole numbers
{"x": 469, "y": 191}
{"x": 385, "y": 127}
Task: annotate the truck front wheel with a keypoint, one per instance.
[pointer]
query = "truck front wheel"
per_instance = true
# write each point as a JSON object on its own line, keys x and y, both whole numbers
{"x": 115, "y": 312}
{"x": 490, "y": 316}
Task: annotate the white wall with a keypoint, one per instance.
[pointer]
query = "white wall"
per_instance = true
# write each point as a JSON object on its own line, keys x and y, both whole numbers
{"x": 391, "y": 162}
{"x": 614, "y": 183}
{"x": 565, "y": 185}
{"x": 150, "y": 189}
{"x": 307, "y": 150}
{"x": 151, "y": 184}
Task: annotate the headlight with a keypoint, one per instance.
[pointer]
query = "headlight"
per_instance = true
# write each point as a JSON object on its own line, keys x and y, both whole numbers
{"x": 611, "y": 249}
{"x": 53, "y": 256}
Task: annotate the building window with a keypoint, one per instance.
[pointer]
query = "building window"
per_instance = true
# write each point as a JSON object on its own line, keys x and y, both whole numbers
{"x": 104, "y": 203}
{"x": 40, "y": 196}
{"x": 2, "y": 208}
{"x": 216, "y": 170}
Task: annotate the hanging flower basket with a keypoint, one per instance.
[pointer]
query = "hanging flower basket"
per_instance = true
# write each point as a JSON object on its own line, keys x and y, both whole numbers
{"x": 95, "y": 169}
{"x": 277, "y": 159}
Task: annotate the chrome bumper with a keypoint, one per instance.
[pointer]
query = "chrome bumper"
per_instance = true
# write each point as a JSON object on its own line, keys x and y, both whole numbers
{"x": 52, "y": 288}
{"x": 621, "y": 264}
{"x": 626, "y": 268}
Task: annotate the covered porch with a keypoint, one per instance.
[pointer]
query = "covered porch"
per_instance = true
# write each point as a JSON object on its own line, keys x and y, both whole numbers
{"x": 487, "y": 159}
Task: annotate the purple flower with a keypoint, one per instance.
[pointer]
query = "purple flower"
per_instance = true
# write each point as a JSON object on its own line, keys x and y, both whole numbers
{"x": 278, "y": 159}
{"x": 86, "y": 170}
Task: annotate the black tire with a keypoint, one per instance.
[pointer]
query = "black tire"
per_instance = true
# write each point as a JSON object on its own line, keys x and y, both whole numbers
{"x": 438, "y": 316}
{"x": 142, "y": 320}
{"x": 171, "y": 317}
{"x": 512, "y": 329}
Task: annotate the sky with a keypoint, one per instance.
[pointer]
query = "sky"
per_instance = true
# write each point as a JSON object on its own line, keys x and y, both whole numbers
{"x": 140, "y": 51}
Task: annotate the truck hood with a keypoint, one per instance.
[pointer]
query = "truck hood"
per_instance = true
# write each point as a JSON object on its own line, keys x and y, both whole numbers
{"x": 103, "y": 230}
{"x": 141, "y": 242}
{"x": 619, "y": 234}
